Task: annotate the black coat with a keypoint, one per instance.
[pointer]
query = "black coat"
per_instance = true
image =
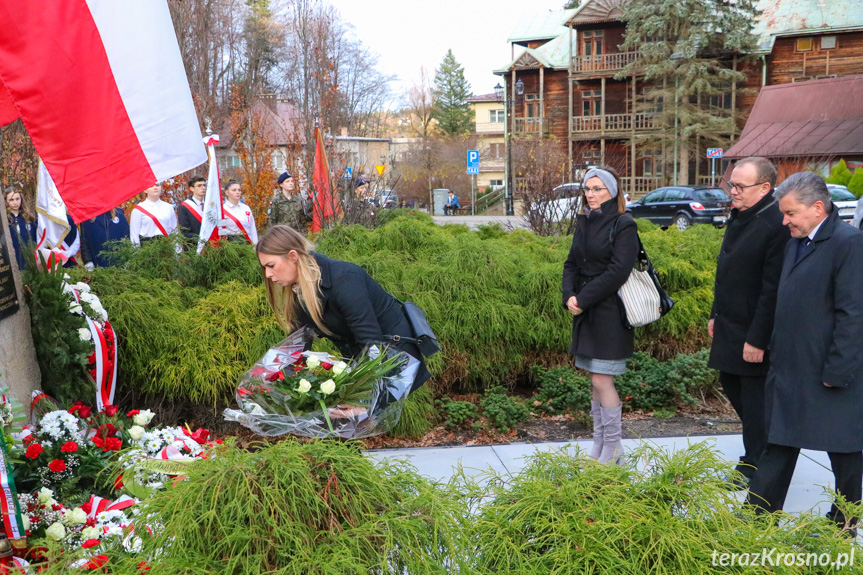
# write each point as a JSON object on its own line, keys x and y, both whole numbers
{"x": 593, "y": 273}
{"x": 816, "y": 338}
{"x": 747, "y": 276}
{"x": 358, "y": 311}
{"x": 189, "y": 225}
{"x": 97, "y": 231}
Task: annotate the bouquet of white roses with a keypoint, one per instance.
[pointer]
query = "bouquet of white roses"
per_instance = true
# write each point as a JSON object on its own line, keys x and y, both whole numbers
{"x": 314, "y": 394}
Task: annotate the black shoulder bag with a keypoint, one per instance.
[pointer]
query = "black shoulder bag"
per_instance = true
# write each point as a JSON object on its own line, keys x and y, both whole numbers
{"x": 423, "y": 336}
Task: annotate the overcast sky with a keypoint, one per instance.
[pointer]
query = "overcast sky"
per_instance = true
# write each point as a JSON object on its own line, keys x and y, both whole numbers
{"x": 408, "y": 34}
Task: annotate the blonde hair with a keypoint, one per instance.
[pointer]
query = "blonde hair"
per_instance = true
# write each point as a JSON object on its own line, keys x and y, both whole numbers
{"x": 280, "y": 241}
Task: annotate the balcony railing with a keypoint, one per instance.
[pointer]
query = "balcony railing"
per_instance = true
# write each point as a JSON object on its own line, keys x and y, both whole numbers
{"x": 602, "y": 62}
{"x": 641, "y": 185}
{"x": 531, "y": 125}
{"x": 613, "y": 123}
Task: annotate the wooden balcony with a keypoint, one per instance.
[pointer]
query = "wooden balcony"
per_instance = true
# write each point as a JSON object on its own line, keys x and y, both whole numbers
{"x": 614, "y": 123}
{"x": 530, "y": 125}
{"x": 601, "y": 64}
{"x": 641, "y": 185}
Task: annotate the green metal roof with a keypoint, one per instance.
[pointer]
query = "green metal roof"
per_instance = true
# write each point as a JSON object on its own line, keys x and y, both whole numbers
{"x": 793, "y": 17}
{"x": 551, "y": 55}
{"x": 541, "y": 26}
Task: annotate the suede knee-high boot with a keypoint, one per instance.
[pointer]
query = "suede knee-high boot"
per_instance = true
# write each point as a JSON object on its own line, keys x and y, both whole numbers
{"x": 611, "y": 447}
{"x": 597, "y": 429}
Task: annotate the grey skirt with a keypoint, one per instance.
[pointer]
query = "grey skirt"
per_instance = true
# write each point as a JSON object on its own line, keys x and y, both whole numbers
{"x": 601, "y": 366}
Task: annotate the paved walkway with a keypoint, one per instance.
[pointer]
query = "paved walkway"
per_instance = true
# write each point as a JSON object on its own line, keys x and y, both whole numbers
{"x": 806, "y": 493}
{"x": 473, "y": 222}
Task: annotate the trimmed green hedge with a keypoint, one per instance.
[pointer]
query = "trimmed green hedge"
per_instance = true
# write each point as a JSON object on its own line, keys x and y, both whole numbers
{"x": 190, "y": 325}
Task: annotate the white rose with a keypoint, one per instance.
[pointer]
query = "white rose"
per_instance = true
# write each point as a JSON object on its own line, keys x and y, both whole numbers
{"x": 305, "y": 386}
{"x": 45, "y": 495}
{"x": 75, "y": 308}
{"x": 136, "y": 432}
{"x": 143, "y": 418}
{"x": 328, "y": 387}
{"x": 56, "y": 531}
{"x": 91, "y": 533}
{"x": 339, "y": 367}
{"x": 312, "y": 362}
{"x": 77, "y": 516}
{"x": 84, "y": 334}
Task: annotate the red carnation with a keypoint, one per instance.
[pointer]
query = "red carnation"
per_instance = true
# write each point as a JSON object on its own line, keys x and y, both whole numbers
{"x": 57, "y": 465}
{"x": 69, "y": 447}
{"x": 111, "y": 410}
{"x": 112, "y": 444}
{"x": 98, "y": 441}
{"x": 34, "y": 450}
{"x": 143, "y": 566}
{"x": 84, "y": 411}
{"x": 87, "y": 507}
{"x": 106, "y": 430}
{"x": 90, "y": 543}
{"x": 118, "y": 483}
{"x": 133, "y": 413}
{"x": 96, "y": 562}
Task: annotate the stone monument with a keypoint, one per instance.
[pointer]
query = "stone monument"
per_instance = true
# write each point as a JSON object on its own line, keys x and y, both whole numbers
{"x": 18, "y": 368}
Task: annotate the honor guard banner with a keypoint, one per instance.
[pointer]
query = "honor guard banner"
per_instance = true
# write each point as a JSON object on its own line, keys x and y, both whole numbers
{"x": 100, "y": 87}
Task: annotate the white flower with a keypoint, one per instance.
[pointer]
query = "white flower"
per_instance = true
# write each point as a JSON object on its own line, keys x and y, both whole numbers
{"x": 56, "y": 531}
{"x": 84, "y": 334}
{"x": 82, "y": 287}
{"x": 313, "y": 361}
{"x": 76, "y": 516}
{"x": 86, "y": 297}
{"x": 136, "y": 432}
{"x": 76, "y": 308}
{"x": 45, "y": 495}
{"x": 132, "y": 544}
{"x": 328, "y": 387}
{"x": 339, "y": 367}
{"x": 67, "y": 277}
{"x": 91, "y": 533}
{"x": 305, "y": 386}
{"x": 143, "y": 418}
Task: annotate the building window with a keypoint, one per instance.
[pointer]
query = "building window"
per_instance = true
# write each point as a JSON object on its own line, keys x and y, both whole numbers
{"x": 804, "y": 44}
{"x": 651, "y": 163}
{"x": 591, "y": 104}
{"x": 592, "y": 156}
{"x": 496, "y": 150}
{"x": 591, "y": 42}
{"x": 495, "y": 183}
{"x": 496, "y": 116}
{"x": 722, "y": 100}
{"x": 828, "y": 42}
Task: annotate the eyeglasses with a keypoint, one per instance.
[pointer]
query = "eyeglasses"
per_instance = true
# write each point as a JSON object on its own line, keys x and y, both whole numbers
{"x": 729, "y": 186}
{"x": 593, "y": 191}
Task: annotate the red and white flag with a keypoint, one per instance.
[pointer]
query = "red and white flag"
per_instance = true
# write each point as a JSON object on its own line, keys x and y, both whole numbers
{"x": 213, "y": 200}
{"x": 100, "y": 87}
{"x": 52, "y": 226}
{"x": 326, "y": 204}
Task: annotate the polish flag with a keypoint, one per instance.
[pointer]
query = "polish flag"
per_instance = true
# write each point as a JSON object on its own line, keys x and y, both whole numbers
{"x": 212, "y": 200}
{"x": 326, "y": 204}
{"x": 100, "y": 87}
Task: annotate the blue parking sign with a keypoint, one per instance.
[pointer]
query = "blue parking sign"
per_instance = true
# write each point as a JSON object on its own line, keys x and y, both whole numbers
{"x": 473, "y": 162}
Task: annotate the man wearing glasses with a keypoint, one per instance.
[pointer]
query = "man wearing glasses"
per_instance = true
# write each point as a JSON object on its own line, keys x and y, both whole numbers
{"x": 744, "y": 302}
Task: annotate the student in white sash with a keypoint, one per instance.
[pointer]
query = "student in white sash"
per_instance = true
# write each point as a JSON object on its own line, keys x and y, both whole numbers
{"x": 239, "y": 223}
{"x": 191, "y": 212}
{"x": 152, "y": 218}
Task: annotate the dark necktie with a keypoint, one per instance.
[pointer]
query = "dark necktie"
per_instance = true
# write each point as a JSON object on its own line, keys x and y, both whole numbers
{"x": 801, "y": 248}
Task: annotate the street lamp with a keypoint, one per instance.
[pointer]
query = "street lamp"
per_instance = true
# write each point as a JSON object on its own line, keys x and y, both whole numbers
{"x": 500, "y": 94}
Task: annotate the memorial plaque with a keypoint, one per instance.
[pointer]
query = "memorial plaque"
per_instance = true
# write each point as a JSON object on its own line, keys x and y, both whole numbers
{"x": 8, "y": 293}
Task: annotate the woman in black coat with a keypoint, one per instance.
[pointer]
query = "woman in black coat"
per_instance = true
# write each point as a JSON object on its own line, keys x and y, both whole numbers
{"x": 337, "y": 300}
{"x": 22, "y": 225}
{"x": 597, "y": 266}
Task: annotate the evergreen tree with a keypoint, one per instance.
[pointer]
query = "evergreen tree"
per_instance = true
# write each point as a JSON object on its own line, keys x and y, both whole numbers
{"x": 855, "y": 183}
{"x": 686, "y": 49}
{"x": 840, "y": 174}
{"x": 451, "y": 91}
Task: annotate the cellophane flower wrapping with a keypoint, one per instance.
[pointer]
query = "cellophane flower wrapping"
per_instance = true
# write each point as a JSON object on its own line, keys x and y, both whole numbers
{"x": 315, "y": 394}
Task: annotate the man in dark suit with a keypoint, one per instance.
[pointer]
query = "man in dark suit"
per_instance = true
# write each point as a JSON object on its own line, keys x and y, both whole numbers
{"x": 190, "y": 214}
{"x": 744, "y": 302}
{"x": 815, "y": 383}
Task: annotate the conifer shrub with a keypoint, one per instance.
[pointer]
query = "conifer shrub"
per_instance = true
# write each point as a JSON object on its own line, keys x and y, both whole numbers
{"x": 564, "y": 514}
{"x": 310, "y": 508}
{"x": 839, "y": 174}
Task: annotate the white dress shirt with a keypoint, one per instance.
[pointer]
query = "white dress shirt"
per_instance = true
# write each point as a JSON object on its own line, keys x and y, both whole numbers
{"x": 243, "y": 213}
{"x": 142, "y": 226}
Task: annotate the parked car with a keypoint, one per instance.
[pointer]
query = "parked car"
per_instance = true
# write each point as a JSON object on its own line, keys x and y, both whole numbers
{"x": 567, "y": 202}
{"x": 387, "y": 199}
{"x": 683, "y": 206}
{"x": 858, "y": 217}
{"x": 845, "y": 201}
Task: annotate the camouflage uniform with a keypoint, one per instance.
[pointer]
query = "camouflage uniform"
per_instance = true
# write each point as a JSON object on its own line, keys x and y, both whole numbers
{"x": 293, "y": 211}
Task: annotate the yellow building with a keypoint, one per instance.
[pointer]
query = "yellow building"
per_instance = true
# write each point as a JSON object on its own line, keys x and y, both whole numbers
{"x": 489, "y": 124}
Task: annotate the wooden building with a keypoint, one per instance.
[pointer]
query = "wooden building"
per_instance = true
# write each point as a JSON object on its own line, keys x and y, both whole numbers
{"x": 570, "y": 59}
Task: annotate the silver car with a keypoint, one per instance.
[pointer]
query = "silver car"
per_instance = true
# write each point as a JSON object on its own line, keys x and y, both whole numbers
{"x": 845, "y": 201}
